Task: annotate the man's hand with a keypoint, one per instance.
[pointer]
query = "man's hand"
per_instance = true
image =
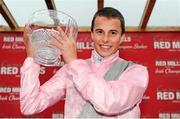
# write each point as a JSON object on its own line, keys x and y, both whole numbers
{"x": 66, "y": 43}
{"x": 27, "y": 42}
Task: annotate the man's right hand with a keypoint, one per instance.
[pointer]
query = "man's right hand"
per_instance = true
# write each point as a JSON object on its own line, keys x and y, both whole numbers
{"x": 29, "y": 49}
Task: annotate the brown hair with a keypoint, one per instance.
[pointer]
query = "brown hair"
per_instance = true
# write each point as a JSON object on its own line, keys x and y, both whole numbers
{"x": 110, "y": 13}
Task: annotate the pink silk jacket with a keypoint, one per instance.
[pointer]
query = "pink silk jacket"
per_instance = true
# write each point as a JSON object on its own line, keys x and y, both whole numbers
{"x": 81, "y": 81}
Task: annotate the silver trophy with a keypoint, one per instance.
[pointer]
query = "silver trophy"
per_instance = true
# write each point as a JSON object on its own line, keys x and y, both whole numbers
{"x": 43, "y": 24}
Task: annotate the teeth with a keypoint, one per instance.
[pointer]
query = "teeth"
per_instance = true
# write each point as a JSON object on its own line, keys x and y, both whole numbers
{"x": 105, "y": 46}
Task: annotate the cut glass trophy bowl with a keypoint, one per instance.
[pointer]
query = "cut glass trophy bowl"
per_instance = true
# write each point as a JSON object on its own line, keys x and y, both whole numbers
{"x": 43, "y": 24}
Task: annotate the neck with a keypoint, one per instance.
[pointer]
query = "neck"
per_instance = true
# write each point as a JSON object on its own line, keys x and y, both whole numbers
{"x": 97, "y": 57}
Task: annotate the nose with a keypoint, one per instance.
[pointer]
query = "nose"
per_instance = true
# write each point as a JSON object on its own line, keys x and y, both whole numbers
{"x": 105, "y": 38}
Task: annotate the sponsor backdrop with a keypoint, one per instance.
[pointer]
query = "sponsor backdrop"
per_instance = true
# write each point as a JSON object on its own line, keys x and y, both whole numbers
{"x": 160, "y": 52}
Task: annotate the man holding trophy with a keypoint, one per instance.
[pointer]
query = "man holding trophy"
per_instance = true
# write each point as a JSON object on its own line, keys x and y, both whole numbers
{"x": 103, "y": 86}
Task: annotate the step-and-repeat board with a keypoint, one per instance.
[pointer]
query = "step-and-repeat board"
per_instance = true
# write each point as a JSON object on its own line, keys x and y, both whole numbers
{"x": 160, "y": 52}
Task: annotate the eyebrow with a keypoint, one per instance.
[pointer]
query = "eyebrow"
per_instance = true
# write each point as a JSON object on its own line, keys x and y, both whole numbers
{"x": 98, "y": 29}
{"x": 114, "y": 30}
{"x": 111, "y": 30}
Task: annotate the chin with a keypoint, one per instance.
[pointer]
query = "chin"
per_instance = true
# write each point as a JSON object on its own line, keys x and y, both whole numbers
{"x": 104, "y": 53}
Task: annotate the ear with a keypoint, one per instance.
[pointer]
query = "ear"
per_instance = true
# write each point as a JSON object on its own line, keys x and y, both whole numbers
{"x": 92, "y": 36}
{"x": 122, "y": 38}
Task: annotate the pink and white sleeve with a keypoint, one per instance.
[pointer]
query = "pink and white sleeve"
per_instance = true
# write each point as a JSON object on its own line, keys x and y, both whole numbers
{"x": 35, "y": 98}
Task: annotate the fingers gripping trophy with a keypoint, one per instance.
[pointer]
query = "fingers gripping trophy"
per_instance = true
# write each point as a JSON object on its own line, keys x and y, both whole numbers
{"x": 42, "y": 29}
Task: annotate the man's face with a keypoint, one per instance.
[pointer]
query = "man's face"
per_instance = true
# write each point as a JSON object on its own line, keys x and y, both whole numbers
{"x": 106, "y": 35}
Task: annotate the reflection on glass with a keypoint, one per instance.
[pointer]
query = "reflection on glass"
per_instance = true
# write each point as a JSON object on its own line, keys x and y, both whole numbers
{"x": 42, "y": 24}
